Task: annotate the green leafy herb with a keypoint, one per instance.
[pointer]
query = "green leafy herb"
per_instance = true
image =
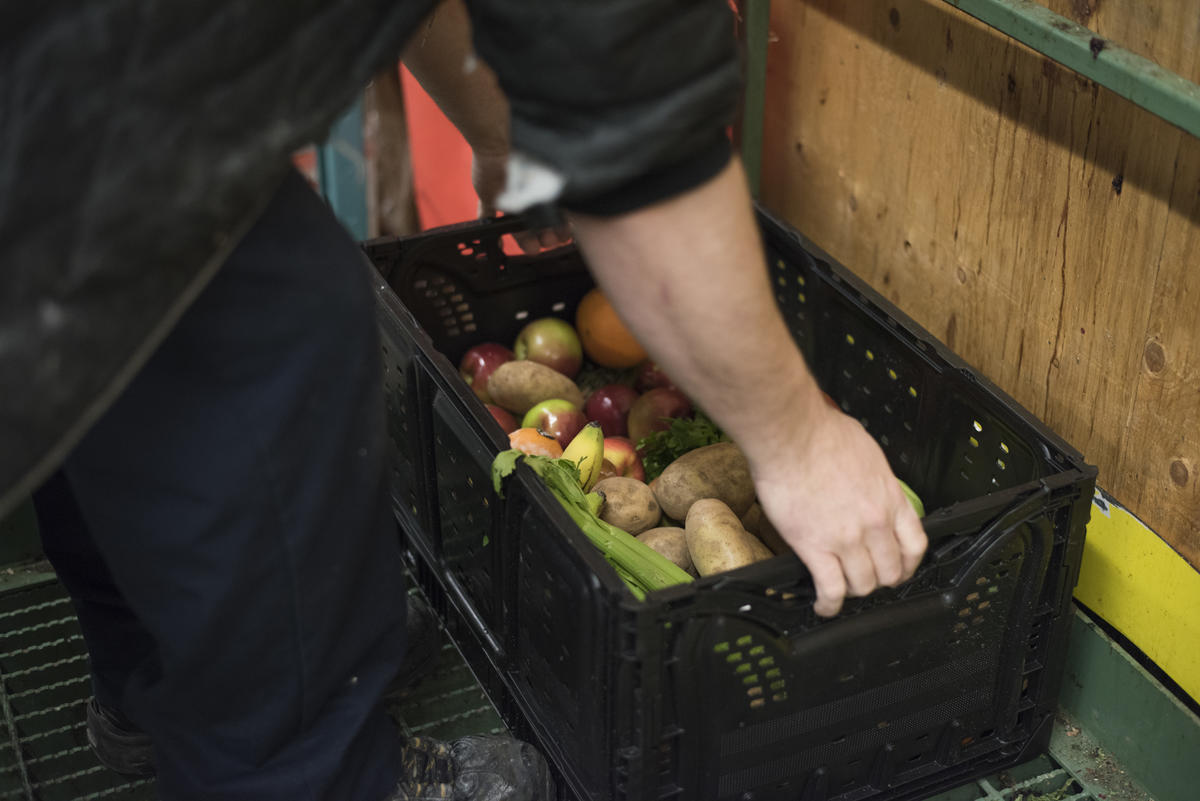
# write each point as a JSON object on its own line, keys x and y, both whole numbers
{"x": 661, "y": 448}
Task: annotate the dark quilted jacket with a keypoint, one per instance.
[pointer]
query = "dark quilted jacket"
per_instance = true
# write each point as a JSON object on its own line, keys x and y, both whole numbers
{"x": 139, "y": 139}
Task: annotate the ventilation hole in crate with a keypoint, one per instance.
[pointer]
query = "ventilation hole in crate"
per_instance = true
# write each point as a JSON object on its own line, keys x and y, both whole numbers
{"x": 1000, "y": 464}
{"x": 744, "y": 640}
{"x": 777, "y": 685}
{"x": 559, "y": 306}
{"x": 847, "y": 374}
{"x": 521, "y": 315}
{"x": 463, "y": 249}
{"x": 1003, "y": 447}
{"x": 905, "y": 458}
{"x": 894, "y": 663}
{"x": 744, "y": 608}
{"x": 736, "y": 656}
{"x": 985, "y": 604}
{"x": 481, "y": 257}
{"x": 995, "y": 483}
{"x": 800, "y": 280}
{"x": 720, "y": 648}
{"x": 865, "y": 389}
{"x": 420, "y": 283}
{"x": 758, "y": 703}
{"x": 973, "y": 597}
{"x": 779, "y": 697}
{"x": 963, "y": 473}
{"x": 462, "y": 307}
{"x": 974, "y": 442}
{"x": 912, "y": 391}
{"x": 977, "y": 621}
{"x": 766, "y": 662}
{"x": 745, "y": 667}
{"x": 469, "y": 327}
{"x": 849, "y": 339}
{"x": 870, "y": 355}
{"x": 978, "y": 426}
{"x": 908, "y": 426}
{"x": 892, "y": 374}
{"x": 968, "y": 459}
{"x": 443, "y": 310}
{"x": 841, "y": 738}
{"x": 801, "y": 297}
{"x": 887, "y": 408}
{"x": 782, "y": 281}
{"x": 883, "y": 724}
{"x": 456, "y": 298}
{"x": 983, "y": 735}
{"x": 966, "y": 612}
{"x": 915, "y": 757}
{"x": 754, "y": 692}
{"x": 485, "y": 503}
{"x": 438, "y": 280}
{"x": 751, "y": 679}
{"x": 979, "y": 582}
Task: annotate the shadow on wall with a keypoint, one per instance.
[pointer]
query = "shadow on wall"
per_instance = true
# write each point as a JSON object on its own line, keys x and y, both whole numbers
{"x": 1024, "y": 86}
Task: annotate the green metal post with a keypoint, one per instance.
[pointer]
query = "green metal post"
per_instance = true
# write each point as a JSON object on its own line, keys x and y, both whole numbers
{"x": 1159, "y": 91}
{"x": 757, "y": 22}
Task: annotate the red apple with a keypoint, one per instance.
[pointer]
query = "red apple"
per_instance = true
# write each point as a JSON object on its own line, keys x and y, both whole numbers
{"x": 559, "y": 418}
{"x": 503, "y": 417}
{"x": 479, "y": 363}
{"x": 609, "y": 405}
{"x": 621, "y": 459}
{"x": 553, "y": 342}
{"x": 650, "y": 376}
{"x": 650, "y": 412}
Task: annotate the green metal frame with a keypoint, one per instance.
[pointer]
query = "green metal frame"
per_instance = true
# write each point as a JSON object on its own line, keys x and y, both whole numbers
{"x": 1159, "y": 91}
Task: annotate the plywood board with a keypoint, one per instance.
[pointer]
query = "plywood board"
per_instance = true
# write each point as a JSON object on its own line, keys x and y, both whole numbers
{"x": 1044, "y": 228}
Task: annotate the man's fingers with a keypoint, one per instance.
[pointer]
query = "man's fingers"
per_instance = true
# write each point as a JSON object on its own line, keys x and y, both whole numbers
{"x": 829, "y": 580}
{"x": 911, "y": 538}
{"x": 860, "y": 572}
{"x": 528, "y": 240}
{"x": 885, "y": 554}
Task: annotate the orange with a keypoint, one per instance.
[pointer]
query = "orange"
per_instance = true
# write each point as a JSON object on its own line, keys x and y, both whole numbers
{"x": 534, "y": 442}
{"x": 605, "y": 339}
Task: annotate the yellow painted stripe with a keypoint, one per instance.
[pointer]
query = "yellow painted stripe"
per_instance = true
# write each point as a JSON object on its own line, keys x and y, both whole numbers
{"x": 1147, "y": 591}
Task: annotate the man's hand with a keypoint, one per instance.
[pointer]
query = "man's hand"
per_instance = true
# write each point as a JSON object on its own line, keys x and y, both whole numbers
{"x": 834, "y": 499}
{"x": 489, "y": 169}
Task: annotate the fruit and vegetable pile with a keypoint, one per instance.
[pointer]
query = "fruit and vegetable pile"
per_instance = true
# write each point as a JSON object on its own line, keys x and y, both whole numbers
{"x": 653, "y": 483}
{"x": 621, "y": 447}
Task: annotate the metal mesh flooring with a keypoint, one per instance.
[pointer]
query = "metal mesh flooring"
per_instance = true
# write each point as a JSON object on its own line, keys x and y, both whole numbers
{"x": 44, "y": 689}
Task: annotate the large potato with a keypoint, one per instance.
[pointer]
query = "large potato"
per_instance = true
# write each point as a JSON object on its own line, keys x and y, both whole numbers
{"x": 628, "y": 504}
{"x": 671, "y": 542}
{"x": 714, "y": 471}
{"x": 520, "y": 385}
{"x": 716, "y": 540}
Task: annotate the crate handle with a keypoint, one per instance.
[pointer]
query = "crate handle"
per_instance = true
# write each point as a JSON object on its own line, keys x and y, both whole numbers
{"x": 1020, "y": 511}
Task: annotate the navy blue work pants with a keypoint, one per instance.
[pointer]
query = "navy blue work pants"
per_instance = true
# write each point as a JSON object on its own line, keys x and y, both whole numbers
{"x": 232, "y": 556}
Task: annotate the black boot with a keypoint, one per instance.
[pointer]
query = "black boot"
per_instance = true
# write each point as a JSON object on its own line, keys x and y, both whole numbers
{"x": 476, "y": 768}
{"x": 118, "y": 744}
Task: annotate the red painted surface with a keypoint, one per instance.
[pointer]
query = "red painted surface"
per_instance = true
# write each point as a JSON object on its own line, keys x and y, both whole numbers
{"x": 441, "y": 161}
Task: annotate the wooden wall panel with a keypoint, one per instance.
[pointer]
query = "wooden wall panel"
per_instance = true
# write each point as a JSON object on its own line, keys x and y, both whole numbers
{"x": 1044, "y": 228}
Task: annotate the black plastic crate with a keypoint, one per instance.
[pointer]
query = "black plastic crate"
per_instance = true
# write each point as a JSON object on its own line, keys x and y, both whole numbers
{"x": 730, "y": 687}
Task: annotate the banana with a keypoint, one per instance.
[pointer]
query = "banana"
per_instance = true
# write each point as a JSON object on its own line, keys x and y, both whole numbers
{"x": 586, "y": 451}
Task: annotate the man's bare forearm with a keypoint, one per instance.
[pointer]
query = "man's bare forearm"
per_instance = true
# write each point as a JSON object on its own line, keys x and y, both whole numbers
{"x": 687, "y": 274}
{"x": 440, "y": 56}
{"x": 689, "y": 278}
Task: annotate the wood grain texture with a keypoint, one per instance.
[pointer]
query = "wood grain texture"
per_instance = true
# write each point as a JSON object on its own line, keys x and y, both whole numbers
{"x": 1166, "y": 31}
{"x": 1044, "y": 228}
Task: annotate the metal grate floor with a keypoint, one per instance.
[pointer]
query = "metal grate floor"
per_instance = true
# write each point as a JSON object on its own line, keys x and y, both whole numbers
{"x": 44, "y": 690}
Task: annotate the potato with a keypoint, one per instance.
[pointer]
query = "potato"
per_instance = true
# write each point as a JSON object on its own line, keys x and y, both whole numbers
{"x": 628, "y": 504}
{"x": 714, "y": 471}
{"x": 520, "y": 385}
{"x": 670, "y": 542}
{"x": 716, "y": 540}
